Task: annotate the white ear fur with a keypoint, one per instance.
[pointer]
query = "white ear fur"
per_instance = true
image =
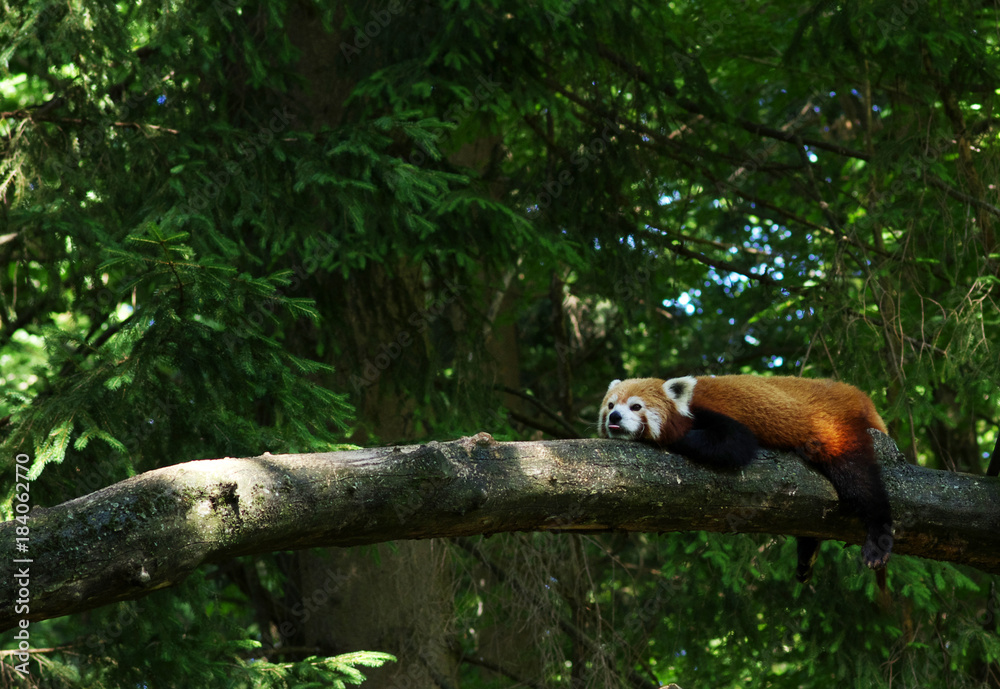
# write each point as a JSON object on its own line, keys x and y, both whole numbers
{"x": 614, "y": 383}
{"x": 681, "y": 390}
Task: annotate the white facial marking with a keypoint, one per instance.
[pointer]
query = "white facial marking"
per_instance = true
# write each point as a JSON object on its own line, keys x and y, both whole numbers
{"x": 631, "y": 421}
{"x": 654, "y": 423}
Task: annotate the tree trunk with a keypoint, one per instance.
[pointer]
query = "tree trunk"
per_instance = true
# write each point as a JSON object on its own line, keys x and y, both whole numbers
{"x": 393, "y": 597}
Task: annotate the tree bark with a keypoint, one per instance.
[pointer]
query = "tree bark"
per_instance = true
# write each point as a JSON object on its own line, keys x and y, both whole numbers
{"x": 150, "y": 531}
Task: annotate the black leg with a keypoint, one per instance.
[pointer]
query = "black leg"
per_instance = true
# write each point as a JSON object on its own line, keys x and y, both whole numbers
{"x": 808, "y": 548}
{"x": 718, "y": 441}
{"x": 860, "y": 488}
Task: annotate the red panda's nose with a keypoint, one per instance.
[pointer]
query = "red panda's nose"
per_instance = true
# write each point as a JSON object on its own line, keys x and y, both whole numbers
{"x": 614, "y": 419}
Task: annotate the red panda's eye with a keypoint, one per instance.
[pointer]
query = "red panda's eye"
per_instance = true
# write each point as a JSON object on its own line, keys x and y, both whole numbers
{"x": 611, "y": 405}
{"x": 636, "y": 407}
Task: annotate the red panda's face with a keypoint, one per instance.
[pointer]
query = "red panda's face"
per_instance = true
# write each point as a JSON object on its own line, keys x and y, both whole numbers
{"x": 632, "y": 410}
{"x": 642, "y": 409}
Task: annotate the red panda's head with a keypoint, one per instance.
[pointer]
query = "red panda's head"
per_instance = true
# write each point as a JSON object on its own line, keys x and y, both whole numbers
{"x": 648, "y": 409}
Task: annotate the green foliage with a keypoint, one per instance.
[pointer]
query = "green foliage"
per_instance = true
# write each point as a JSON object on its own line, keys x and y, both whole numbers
{"x": 236, "y": 227}
{"x": 192, "y": 369}
{"x": 336, "y": 671}
{"x": 139, "y": 643}
{"x": 724, "y": 610}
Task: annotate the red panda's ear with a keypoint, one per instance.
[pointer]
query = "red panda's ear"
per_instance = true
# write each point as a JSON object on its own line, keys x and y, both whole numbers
{"x": 680, "y": 391}
{"x": 614, "y": 383}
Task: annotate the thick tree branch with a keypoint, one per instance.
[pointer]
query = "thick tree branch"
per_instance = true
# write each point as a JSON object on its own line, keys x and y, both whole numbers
{"x": 152, "y": 530}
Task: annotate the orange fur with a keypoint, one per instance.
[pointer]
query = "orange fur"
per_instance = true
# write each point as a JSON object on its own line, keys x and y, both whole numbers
{"x": 823, "y": 418}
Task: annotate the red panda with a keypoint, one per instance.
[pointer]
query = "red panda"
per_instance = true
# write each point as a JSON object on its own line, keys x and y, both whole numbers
{"x": 721, "y": 421}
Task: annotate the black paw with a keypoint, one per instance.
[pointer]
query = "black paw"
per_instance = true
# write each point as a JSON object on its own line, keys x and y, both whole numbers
{"x": 803, "y": 573}
{"x": 875, "y": 552}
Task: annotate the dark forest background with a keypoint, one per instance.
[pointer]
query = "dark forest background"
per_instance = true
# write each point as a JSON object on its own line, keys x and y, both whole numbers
{"x": 236, "y": 227}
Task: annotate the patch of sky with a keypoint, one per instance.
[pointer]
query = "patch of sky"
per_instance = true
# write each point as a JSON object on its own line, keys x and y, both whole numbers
{"x": 760, "y": 232}
{"x": 686, "y": 301}
{"x": 733, "y": 284}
